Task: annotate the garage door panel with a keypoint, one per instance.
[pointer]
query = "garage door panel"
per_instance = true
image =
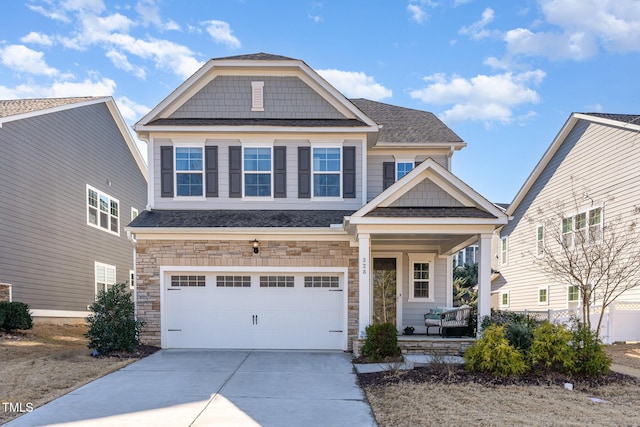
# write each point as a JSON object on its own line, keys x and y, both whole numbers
{"x": 291, "y": 317}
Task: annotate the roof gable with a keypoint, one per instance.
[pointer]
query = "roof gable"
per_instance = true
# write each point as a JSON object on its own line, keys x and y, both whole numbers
{"x": 202, "y": 84}
{"x": 20, "y": 109}
{"x": 629, "y": 122}
{"x": 459, "y": 195}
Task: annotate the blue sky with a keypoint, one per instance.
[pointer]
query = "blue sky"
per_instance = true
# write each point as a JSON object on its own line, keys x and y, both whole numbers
{"x": 504, "y": 75}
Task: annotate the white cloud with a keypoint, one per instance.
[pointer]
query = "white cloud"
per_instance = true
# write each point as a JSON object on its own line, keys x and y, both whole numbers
{"x": 37, "y": 38}
{"x": 90, "y": 6}
{"x": 354, "y": 84}
{"x": 582, "y": 28}
{"x": 131, "y": 111}
{"x": 315, "y": 18}
{"x": 484, "y": 98}
{"x": 60, "y": 89}
{"x": 22, "y": 59}
{"x": 220, "y": 32}
{"x": 461, "y": 2}
{"x": 121, "y": 61}
{"x": 417, "y": 13}
{"x": 477, "y": 30}
{"x": 576, "y": 46}
{"x": 51, "y": 14}
{"x": 150, "y": 15}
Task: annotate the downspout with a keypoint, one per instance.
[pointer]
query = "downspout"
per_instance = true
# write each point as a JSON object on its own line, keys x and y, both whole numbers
{"x": 131, "y": 237}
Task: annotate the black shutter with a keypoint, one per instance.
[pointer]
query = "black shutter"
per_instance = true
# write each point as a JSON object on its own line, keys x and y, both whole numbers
{"x": 211, "y": 170}
{"x": 388, "y": 174}
{"x": 349, "y": 172}
{"x": 304, "y": 172}
{"x": 235, "y": 171}
{"x": 166, "y": 171}
{"x": 280, "y": 171}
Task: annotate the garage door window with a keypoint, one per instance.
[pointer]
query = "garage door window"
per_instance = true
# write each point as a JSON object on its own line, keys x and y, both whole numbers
{"x": 321, "y": 282}
{"x": 233, "y": 281}
{"x": 187, "y": 281}
{"x": 276, "y": 281}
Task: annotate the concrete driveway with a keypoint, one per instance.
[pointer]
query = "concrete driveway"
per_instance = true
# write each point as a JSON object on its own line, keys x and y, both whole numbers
{"x": 216, "y": 388}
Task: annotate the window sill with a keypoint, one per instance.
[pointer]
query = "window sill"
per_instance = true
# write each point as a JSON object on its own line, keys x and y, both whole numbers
{"x": 97, "y": 227}
{"x": 327, "y": 199}
{"x": 257, "y": 199}
{"x": 421, "y": 300}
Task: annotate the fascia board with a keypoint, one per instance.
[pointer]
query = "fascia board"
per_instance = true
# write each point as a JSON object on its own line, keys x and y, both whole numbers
{"x": 124, "y": 130}
{"x": 608, "y": 122}
{"x": 257, "y": 129}
{"x": 150, "y": 233}
{"x": 387, "y": 221}
{"x": 41, "y": 112}
{"x": 422, "y": 146}
{"x": 542, "y": 163}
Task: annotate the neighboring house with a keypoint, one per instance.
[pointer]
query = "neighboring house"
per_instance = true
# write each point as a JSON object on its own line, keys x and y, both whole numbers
{"x": 595, "y": 158}
{"x": 71, "y": 179}
{"x": 278, "y": 208}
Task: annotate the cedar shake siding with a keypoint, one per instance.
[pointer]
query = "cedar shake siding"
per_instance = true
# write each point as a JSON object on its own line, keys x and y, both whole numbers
{"x": 46, "y": 162}
{"x": 152, "y": 254}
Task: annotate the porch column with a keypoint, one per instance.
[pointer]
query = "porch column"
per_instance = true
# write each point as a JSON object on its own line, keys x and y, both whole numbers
{"x": 364, "y": 280}
{"x": 484, "y": 277}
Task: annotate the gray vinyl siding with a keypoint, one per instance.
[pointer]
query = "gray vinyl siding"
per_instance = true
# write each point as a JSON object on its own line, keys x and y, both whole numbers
{"x": 603, "y": 162}
{"x": 374, "y": 170}
{"x": 413, "y": 312}
{"x": 284, "y": 98}
{"x": 47, "y": 250}
{"x": 290, "y": 202}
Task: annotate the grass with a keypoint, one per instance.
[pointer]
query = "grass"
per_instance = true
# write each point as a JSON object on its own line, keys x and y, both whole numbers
{"x": 408, "y": 399}
{"x": 46, "y": 362}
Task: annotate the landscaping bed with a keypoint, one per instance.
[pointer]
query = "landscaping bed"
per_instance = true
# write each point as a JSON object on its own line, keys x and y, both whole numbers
{"x": 445, "y": 395}
{"x": 48, "y": 361}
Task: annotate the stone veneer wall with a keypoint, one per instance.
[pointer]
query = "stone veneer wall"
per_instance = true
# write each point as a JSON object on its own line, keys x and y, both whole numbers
{"x": 152, "y": 254}
{"x": 5, "y": 292}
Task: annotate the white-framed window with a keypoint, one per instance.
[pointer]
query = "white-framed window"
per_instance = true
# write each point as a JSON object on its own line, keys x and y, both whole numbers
{"x": 585, "y": 226}
{"x": 103, "y": 211}
{"x": 132, "y": 279}
{"x": 134, "y": 213}
{"x": 105, "y": 275}
{"x": 573, "y": 294}
{"x": 403, "y": 167}
{"x": 543, "y": 295}
{"x": 504, "y": 299}
{"x": 257, "y": 171}
{"x": 504, "y": 250}
{"x": 327, "y": 172}
{"x": 189, "y": 171}
{"x": 540, "y": 241}
{"x": 233, "y": 281}
{"x": 421, "y": 277}
{"x": 188, "y": 281}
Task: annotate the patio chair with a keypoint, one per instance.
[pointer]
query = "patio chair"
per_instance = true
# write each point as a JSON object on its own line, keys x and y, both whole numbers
{"x": 455, "y": 319}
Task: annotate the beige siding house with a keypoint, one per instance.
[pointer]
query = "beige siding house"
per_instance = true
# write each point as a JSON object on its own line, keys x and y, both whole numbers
{"x": 591, "y": 167}
{"x": 277, "y": 209}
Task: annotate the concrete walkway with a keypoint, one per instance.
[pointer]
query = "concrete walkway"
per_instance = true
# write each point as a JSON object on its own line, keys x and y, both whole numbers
{"x": 216, "y": 387}
{"x": 633, "y": 372}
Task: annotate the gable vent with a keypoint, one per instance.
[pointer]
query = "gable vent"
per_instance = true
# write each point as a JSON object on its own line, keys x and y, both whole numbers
{"x": 257, "y": 96}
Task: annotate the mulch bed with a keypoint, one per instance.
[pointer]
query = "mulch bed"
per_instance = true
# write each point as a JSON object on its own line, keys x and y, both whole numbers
{"x": 140, "y": 352}
{"x": 456, "y": 374}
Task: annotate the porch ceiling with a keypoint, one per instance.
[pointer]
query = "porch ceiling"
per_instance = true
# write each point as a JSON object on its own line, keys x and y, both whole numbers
{"x": 446, "y": 244}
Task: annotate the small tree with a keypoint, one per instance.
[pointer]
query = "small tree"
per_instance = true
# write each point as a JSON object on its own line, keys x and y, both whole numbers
{"x": 599, "y": 257}
{"x": 112, "y": 322}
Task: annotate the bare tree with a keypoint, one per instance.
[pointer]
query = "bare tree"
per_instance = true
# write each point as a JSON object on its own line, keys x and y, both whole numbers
{"x": 600, "y": 257}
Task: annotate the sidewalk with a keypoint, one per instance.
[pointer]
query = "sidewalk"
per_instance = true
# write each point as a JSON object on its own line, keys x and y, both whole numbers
{"x": 633, "y": 372}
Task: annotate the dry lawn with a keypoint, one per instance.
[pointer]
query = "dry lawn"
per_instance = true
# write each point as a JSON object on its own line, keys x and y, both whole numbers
{"x": 46, "y": 362}
{"x": 405, "y": 401}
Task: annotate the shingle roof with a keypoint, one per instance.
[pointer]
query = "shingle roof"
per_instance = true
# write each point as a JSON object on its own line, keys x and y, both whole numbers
{"x": 405, "y": 124}
{"x": 238, "y": 218}
{"x": 11, "y": 107}
{"x": 429, "y": 212}
{"x": 258, "y": 122}
{"x": 625, "y": 118}
{"x": 260, "y": 56}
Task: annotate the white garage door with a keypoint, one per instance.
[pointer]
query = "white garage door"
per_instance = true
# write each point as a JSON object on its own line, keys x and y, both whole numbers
{"x": 254, "y": 310}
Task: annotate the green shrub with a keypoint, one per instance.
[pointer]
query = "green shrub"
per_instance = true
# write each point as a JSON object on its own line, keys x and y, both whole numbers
{"x": 519, "y": 335}
{"x": 590, "y": 357}
{"x": 551, "y": 349}
{"x": 494, "y": 355}
{"x": 499, "y": 317}
{"x": 15, "y": 315}
{"x": 112, "y": 323}
{"x": 381, "y": 342}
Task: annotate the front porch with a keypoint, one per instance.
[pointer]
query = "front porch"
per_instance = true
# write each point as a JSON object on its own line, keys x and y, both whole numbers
{"x": 425, "y": 345}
